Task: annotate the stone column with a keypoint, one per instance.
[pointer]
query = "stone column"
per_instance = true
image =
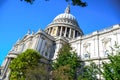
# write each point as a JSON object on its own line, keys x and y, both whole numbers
{"x": 61, "y": 31}
{"x": 5, "y": 72}
{"x": 73, "y": 33}
{"x": 65, "y": 32}
{"x": 56, "y": 31}
{"x": 70, "y": 33}
{"x": 51, "y": 30}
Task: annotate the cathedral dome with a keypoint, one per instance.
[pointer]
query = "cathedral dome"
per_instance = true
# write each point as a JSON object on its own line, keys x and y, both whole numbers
{"x": 64, "y": 25}
{"x": 65, "y": 16}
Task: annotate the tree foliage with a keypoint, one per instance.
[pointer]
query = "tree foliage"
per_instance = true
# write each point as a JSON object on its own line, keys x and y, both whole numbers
{"x": 74, "y": 2}
{"x": 66, "y": 58}
{"x": 89, "y": 72}
{"x": 39, "y": 72}
{"x": 111, "y": 70}
{"x": 24, "y": 61}
{"x": 62, "y": 73}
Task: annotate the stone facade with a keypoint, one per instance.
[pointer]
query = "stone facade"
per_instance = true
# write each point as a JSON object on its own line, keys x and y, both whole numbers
{"x": 65, "y": 29}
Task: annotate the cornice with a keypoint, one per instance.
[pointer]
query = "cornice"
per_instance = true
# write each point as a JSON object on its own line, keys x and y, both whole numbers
{"x": 97, "y": 33}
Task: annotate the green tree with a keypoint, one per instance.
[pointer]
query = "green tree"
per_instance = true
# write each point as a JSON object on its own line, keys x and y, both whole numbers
{"x": 39, "y": 72}
{"x": 67, "y": 58}
{"x": 25, "y": 60}
{"x": 111, "y": 70}
{"x": 74, "y": 2}
{"x": 89, "y": 72}
{"x": 62, "y": 73}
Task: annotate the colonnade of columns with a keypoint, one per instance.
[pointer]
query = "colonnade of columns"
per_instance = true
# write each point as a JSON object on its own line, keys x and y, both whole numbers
{"x": 63, "y": 31}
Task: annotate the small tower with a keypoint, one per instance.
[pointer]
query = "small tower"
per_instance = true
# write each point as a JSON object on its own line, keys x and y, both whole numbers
{"x": 67, "y": 10}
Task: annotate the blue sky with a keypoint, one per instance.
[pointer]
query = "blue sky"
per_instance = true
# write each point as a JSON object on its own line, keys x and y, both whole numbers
{"x": 17, "y": 17}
